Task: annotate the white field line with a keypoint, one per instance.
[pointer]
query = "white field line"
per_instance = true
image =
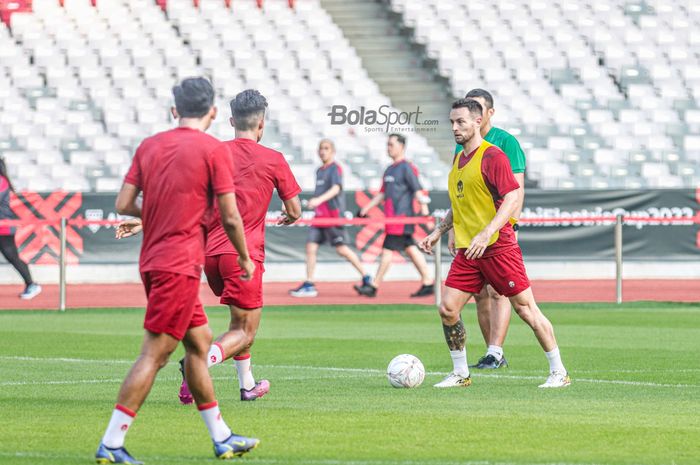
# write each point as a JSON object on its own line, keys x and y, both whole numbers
{"x": 65, "y": 360}
{"x": 264, "y": 461}
{"x": 485, "y": 375}
{"x": 160, "y": 378}
{"x": 358, "y": 371}
{"x": 21, "y": 358}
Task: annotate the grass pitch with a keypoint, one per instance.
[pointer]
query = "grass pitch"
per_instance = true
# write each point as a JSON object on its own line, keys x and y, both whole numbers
{"x": 635, "y": 396}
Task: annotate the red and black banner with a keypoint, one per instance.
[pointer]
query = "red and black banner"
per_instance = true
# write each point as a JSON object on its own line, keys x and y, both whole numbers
{"x": 39, "y": 240}
{"x": 557, "y": 225}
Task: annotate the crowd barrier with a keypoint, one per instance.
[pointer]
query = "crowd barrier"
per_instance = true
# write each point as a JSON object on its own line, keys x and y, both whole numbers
{"x": 618, "y": 221}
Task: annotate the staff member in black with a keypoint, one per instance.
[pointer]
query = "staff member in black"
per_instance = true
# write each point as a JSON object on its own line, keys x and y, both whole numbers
{"x": 8, "y": 248}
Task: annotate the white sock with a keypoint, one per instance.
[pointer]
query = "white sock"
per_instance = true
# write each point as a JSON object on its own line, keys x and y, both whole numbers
{"x": 218, "y": 429}
{"x": 554, "y": 359}
{"x": 245, "y": 372}
{"x": 459, "y": 362}
{"x": 496, "y": 351}
{"x": 216, "y": 354}
{"x": 118, "y": 426}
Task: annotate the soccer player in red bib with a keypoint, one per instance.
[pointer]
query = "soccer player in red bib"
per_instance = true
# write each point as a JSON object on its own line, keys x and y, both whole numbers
{"x": 328, "y": 202}
{"x": 400, "y": 186}
{"x": 483, "y": 197}
{"x": 259, "y": 171}
{"x": 179, "y": 172}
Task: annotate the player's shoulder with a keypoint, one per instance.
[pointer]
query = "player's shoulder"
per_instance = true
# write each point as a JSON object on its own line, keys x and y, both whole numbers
{"x": 504, "y": 135}
{"x": 494, "y": 152}
{"x": 187, "y": 138}
{"x": 275, "y": 157}
{"x": 261, "y": 153}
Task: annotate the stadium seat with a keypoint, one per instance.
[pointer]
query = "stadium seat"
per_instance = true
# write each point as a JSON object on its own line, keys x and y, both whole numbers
{"x": 620, "y": 69}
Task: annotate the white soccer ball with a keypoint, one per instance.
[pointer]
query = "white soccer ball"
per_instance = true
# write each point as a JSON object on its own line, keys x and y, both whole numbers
{"x": 405, "y": 371}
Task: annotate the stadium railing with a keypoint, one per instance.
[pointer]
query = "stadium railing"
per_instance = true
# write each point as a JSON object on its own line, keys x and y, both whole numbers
{"x": 618, "y": 221}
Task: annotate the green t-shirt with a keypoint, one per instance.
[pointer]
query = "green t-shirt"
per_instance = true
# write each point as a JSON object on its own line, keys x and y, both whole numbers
{"x": 509, "y": 144}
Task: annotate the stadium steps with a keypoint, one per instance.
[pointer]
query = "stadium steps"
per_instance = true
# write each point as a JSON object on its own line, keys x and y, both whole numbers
{"x": 396, "y": 65}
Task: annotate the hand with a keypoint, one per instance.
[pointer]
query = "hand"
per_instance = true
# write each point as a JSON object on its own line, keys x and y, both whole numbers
{"x": 285, "y": 220}
{"x": 313, "y": 203}
{"x": 426, "y": 245}
{"x": 361, "y": 213}
{"x": 128, "y": 228}
{"x": 478, "y": 245}
{"x": 451, "y": 242}
{"x": 248, "y": 268}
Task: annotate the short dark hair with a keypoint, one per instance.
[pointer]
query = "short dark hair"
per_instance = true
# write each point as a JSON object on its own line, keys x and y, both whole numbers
{"x": 247, "y": 108}
{"x": 194, "y": 97}
{"x": 472, "y": 105}
{"x": 484, "y": 94}
{"x": 400, "y": 138}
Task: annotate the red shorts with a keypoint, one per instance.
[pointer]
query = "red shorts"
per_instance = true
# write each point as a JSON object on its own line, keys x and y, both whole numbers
{"x": 505, "y": 272}
{"x": 173, "y": 303}
{"x": 223, "y": 275}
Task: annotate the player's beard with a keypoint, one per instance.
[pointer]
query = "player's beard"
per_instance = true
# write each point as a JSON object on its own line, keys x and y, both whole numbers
{"x": 468, "y": 136}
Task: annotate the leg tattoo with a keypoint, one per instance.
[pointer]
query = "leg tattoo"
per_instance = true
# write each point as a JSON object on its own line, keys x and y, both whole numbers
{"x": 455, "y": 335}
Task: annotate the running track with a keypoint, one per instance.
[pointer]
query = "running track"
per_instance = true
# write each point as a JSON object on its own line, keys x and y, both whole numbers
{"x": 392, "y": 292}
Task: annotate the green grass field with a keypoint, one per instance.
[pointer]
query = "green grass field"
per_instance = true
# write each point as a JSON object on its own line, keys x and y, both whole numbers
{"x": 635, "y": 397}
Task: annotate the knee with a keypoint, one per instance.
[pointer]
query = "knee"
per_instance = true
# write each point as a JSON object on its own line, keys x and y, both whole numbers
{"x": 208, "y": 337}
{"x": 199, "y": 350}
{"x": 250, "y": 340}
{"x": 527, "y": 314}
{"x": 163, "y": 361}
{"x": 157, "y": 359}
{"x": 448, "y": 313}
{"x": 341, "y": 250}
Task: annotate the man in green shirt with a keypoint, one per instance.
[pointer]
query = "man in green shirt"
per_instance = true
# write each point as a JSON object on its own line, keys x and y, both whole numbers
{"x": 493, "y": 309}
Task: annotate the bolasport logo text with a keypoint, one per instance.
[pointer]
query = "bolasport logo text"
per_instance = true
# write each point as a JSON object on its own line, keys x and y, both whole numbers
{"x": 383, "y": 119}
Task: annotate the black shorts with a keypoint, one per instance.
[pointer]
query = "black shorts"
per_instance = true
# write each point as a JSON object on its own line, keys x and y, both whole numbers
{"x": 398, "y": 243}
{"x": 335, "y": 236}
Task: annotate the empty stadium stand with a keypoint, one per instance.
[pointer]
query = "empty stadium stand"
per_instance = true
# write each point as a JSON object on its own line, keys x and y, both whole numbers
{"x": 87, "y": 83}
{"x": 601, "y": 94}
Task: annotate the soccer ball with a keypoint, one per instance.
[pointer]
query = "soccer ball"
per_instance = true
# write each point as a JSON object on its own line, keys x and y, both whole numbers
{"x": 405, "y": 371}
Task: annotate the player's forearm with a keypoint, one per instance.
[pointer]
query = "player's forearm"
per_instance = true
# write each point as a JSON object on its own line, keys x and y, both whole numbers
{"x": 329, "y": 194}
{"x": 376, "y": 200}
{"x": 504, "y": 213}
{"x": 519, "y": 206}
{"x": 232, "y": 223}
{"x": 235, "y": 232}
{"x": 520, "y": 177}
{"x": 292, "y": 207}
{"x": 129, "y": 210}
{"x": 126, "y": 201}
{"x": 445, "y": 225}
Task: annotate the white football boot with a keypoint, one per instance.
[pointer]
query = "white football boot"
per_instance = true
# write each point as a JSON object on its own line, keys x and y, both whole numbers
{"x": 557, "y": 379}
{"x": 454, "y": 380}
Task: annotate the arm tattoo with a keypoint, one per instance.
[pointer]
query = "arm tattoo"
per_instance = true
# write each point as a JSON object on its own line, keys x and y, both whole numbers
{"x": 446, "y": 224}
{"x": 456, "y": 335}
